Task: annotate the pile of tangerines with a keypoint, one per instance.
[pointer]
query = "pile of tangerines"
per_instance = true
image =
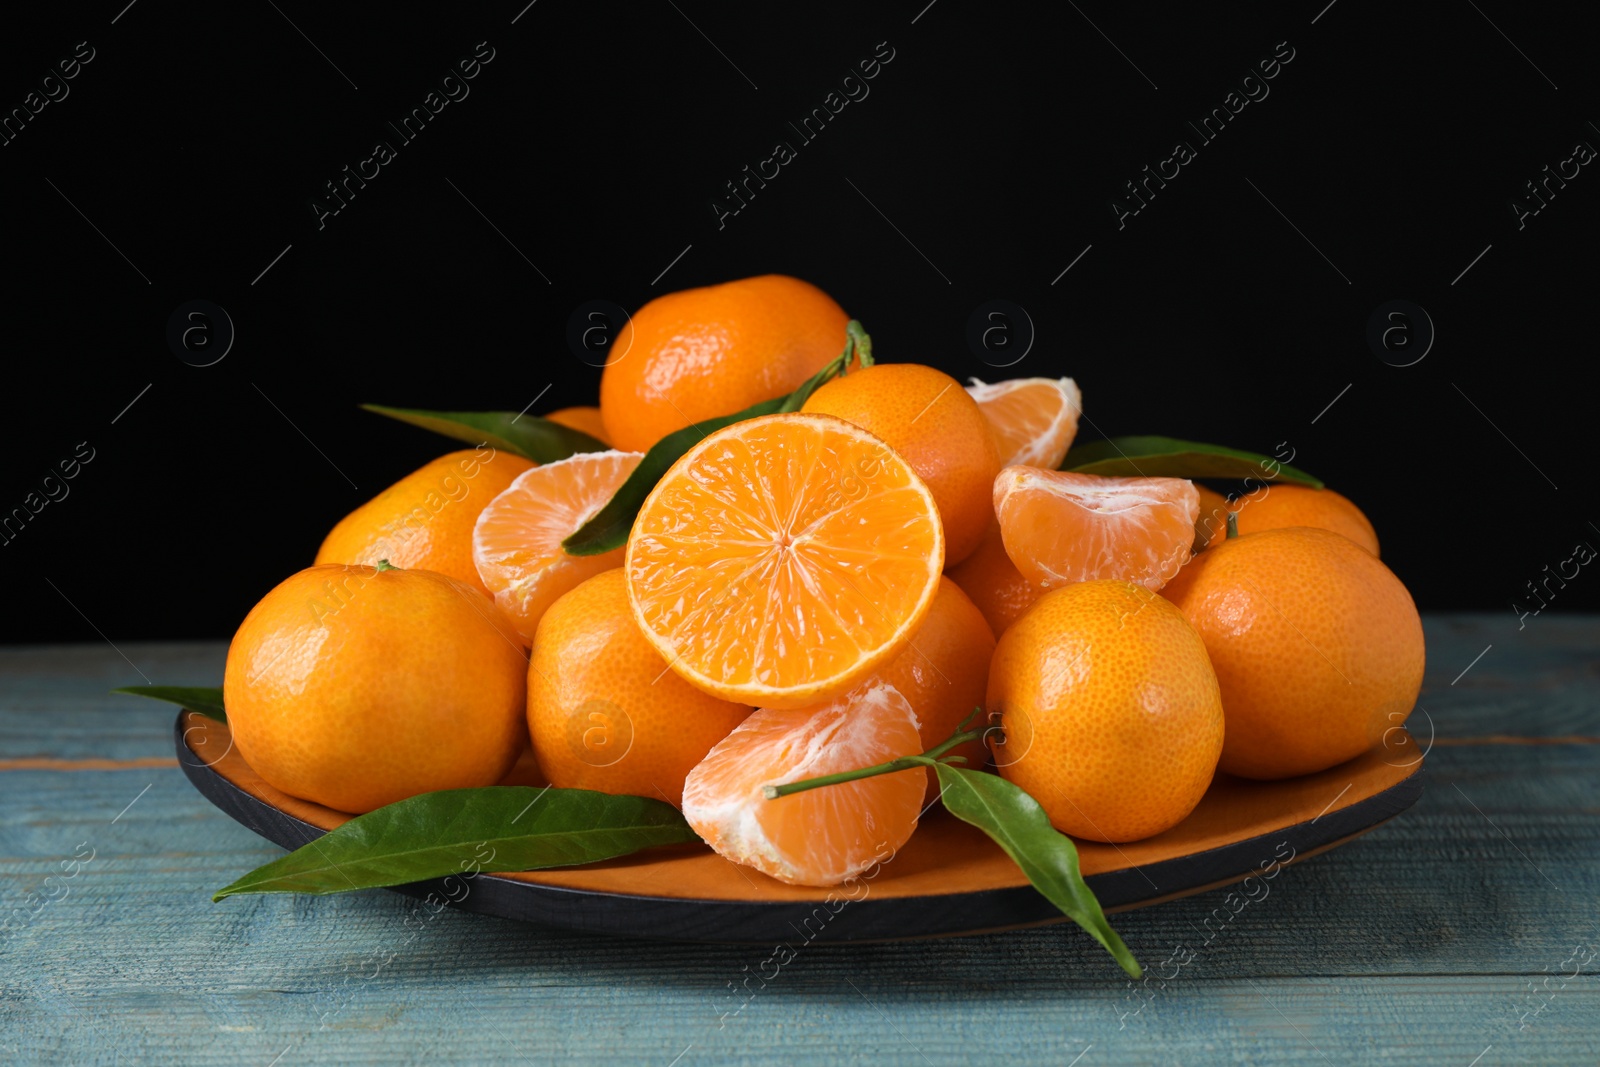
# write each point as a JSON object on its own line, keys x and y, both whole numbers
{"x": 815, "y": 591}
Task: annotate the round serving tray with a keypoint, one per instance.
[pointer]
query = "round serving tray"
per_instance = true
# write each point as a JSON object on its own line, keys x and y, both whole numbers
{"x": 949, "y": 879}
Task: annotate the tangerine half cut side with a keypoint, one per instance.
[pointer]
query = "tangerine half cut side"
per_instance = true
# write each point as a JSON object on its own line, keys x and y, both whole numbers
{"x": 783, "y": 558}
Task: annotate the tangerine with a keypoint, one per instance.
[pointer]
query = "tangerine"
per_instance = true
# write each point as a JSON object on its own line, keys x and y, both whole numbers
{"x": 604, "y": 711}
{"x": 1316, "y": 644}
{"x": 355, "y": 687}
{"x": 927, "y": 417}
{"x": 783, "y": 558}
{"x": 1278, "y": 506}
{"x": 1111, "y": 713}
{"x": 516, "y": 543}
{"x": 424, "y": 521}
{"x": 701, "y": 353}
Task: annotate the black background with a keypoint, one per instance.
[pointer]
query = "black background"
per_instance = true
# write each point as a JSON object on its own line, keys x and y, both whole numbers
{"x": 596, "y": 141}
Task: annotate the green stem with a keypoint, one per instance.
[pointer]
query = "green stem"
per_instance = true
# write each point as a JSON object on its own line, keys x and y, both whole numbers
{"x": 903, "y": 763}
{"x": 1233, "y": 525}
{"x": 385, "y": 565}
{"x": 861, "y": 341}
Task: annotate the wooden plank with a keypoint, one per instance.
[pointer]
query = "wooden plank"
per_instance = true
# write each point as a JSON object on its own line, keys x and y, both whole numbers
{"x": 1536, "y": 680}
{"x": 1416, "y": 944}
{"x": 56, "y": 700}
{"x": 1431, "y": 926}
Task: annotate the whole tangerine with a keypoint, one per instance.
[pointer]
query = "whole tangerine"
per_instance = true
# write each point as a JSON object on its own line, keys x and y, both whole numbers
{"x": 1110, "y": 711}
{"x": 700, "y": 353}
{"x": 930, "y": 420}
{"x": 355, "y": 687}
{"x": 1277, "y": 506}
{"x": 424, "y": 521}
{"x": 1316, "y": 644}
{"x": 604, "y": 710}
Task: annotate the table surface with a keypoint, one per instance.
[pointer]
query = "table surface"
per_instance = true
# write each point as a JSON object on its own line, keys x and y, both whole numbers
{"x": 1465, "y": 931}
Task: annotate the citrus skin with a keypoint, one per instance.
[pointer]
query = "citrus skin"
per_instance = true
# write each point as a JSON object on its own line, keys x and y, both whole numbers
{"x": 424, "y": 521}
{"x": 355, "y": 687}
{"x": 700, "y": 353}
{"x": 993, "y": 582}
{"x": 930, "y": 420}
{"x": 604, "y": 711}
{"x": 584, "y": 420}
{"x": 1278, "y": 506}
{"x": 1111, "y": 712}
{"x": 1317, "y": 646}
{"x": 943, "y": 674}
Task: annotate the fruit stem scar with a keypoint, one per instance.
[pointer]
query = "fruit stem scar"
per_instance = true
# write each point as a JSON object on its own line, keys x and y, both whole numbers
{"x": 1233, "y": 525}
{"x": 385, "y": 565}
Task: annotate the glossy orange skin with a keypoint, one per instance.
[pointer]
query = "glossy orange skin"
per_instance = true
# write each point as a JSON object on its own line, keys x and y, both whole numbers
{"x": 354, "y": 687}
{"x": 944, "y": 674}
{"x": 1316, "y": 644}
{"x": 1278, "y": 506}
{"x": 700, "y": 353}
{"x": 1112, "y": 714}
{"x": 604, "y": 711}
{"x": 424, "y": 521}
{"x": 927, "y": 417}
{"x": 993, "y": 582}
{"x": 584, "y": 420}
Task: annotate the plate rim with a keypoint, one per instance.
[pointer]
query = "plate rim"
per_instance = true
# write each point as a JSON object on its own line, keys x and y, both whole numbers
{"x": 867, "y": 920}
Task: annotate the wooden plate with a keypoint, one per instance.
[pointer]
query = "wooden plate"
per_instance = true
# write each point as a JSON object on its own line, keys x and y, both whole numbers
{"x": 949, "y": 879}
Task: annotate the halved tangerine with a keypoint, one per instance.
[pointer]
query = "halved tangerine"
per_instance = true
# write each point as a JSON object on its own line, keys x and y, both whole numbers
{"x": 820, "y": 836}
{"x": 1061, "y": 527}
{"x": 1034, "y": 419}
{"x": 783, "y": 558}
{"x": 517, "y": 541}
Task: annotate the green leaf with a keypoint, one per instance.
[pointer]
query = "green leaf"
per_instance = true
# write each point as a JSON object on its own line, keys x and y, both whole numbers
{"x": 609, "y": 527}
{"x": 529, "y": 436}
{"x": 207, "y": 702}
{"x": 1168, "y": 457}
{"x": 463, "y": 831}
{"x": 1048, "y": 857}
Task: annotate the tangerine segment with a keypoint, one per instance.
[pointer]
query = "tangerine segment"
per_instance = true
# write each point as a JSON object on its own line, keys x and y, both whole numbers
{"x": 783, "y": 558}
{"x": 1061, "y": 527}
{"x": 517, "y": 541}
{"x": 822, "y": 836}
{"x": 1034, "y": 419}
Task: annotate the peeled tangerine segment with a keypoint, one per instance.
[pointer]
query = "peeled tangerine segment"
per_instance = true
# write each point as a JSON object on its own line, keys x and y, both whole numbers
{"x": 1034, "y": 419}
{"x": 822, "y": 836}
{"x": 1059, "y": 527}
{"x": 517, "y": 542}
{"x": 783, "y": 558}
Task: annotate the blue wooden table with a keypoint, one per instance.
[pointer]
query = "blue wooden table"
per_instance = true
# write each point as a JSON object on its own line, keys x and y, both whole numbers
{"x": 1465, "y": 932}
